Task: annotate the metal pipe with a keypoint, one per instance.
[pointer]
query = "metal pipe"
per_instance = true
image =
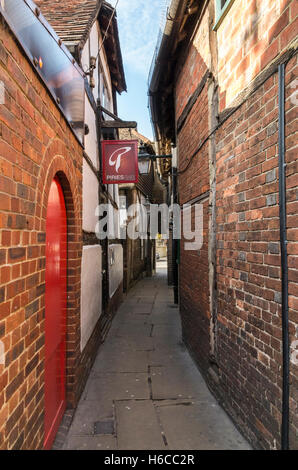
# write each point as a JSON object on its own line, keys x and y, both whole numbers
{"x": 174, "y": 240}
{"x": 284, "y": 260}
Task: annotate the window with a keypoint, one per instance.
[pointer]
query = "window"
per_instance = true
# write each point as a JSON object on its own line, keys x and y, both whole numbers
{"x": 103, "y": 91}
{"x": 222, "y": 7}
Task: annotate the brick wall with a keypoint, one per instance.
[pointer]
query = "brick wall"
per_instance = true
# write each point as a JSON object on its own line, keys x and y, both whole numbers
{"x": 194, "y": 296}
{"x": 249, "y": 38}
{"x": 245, "y": 343}
{"x": 248, "y": 261}
{"x": 35, "y": 145}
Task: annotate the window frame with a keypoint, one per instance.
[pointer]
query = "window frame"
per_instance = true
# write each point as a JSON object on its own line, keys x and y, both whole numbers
{"x": 221, "y": 12}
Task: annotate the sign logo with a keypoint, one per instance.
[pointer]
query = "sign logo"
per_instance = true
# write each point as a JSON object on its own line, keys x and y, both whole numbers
{"x": 117, "y": 161}
{"x": 120, "y": 161}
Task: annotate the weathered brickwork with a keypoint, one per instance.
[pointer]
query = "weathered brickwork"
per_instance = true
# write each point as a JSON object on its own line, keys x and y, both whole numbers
{"x": 35, "y": 145}
{"x": 244, "y": 349}
{"x": 250, "y": 37}
{"x": 194, "y": 295}
{"x": 248, "y": 261}
{"x": 194, "y": 181}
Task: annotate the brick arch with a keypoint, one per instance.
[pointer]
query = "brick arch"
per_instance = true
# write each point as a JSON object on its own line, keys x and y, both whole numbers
{"x": 57, "y": 162}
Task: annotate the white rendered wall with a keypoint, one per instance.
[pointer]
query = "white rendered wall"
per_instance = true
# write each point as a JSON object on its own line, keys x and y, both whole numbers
{"x": 91, "y": 143}
{"x": 85, "y": 58}
{"x": 115, "y": 268}
{"x": 90, "y": 198}
{"x": 91, "y": 291}
{"x": 94, "y": 46}
{"x": 106, "y": 72}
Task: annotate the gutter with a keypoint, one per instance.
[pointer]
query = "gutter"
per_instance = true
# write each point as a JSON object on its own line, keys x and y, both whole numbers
{"x": 162, "y": 56}
{"x": 164, "y": 45}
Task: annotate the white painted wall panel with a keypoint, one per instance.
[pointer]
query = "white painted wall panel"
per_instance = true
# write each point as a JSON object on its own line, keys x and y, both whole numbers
{"x": 85, "y": 57}
{"x": 94, "y": 45}
{"x": 115, "y": 268}
{"x": 90, "y": 198}
{"x": 91, "y": 146}
{"x": 91, "y": 291}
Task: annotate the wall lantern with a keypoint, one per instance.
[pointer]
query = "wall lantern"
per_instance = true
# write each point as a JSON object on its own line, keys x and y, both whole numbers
{"x": 145, "y": 159}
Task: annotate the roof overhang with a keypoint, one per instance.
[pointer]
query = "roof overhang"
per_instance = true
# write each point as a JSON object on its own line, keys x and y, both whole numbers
{"x": 73, "y": 20}
{"x": 112, "y": 45}
{"x": 180, "y": 23}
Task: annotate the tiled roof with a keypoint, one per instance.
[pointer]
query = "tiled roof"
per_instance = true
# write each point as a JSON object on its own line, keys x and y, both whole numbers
{"x": 71, "y": 19}
{"x": 129, "y": 134}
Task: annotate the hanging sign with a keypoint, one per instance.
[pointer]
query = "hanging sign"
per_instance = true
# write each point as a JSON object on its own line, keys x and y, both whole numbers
{"x": 120, "y": 161}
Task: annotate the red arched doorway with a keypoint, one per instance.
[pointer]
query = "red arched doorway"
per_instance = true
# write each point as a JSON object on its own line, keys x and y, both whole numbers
{"x": 55, "y": 311}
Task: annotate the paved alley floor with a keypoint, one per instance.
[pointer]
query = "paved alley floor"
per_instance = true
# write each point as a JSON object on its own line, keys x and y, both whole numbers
{"x": 144, "y": 391}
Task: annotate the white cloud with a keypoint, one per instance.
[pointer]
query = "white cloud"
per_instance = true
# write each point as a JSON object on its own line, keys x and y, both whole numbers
{"x": 138, "y": 22}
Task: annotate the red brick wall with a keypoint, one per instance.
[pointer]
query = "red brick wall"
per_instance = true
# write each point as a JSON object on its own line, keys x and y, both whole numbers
{"x": 35, "y": 145}
{"x": 251, "y": 35}
{"x": 248, "y": 327}
{"x": 194, "y": 67}
{"x": 193, "y": 182}
{"x": 248, "y": 260}
{"x": 194, "y": 295}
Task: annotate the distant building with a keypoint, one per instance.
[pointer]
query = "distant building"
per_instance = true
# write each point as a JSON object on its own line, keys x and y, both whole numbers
{"x": 139, "y": 254}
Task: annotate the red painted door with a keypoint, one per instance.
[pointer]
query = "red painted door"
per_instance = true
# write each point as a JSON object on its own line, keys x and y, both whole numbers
{"x": 55, "y": 312}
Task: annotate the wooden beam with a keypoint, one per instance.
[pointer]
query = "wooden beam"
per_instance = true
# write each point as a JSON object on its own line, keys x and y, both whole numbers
{"x": 109, "y": 113}
{"x": 118, "y": 124}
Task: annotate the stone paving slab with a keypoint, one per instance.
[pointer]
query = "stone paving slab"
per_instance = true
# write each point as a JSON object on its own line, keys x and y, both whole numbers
{"x": 117, "y": 386}
{"x": 168, "y": 332}
{"x": 164, "y": 313}
{"x": 144, "y": 387}
{"x": 132, "y": 330}
{"x": 91, "y": 443}
{"x": 121, "y": 361}
{"x": 87, "y": 414}
{"x": 142, "y": 309}
{"x": 174, "y": 382}
{"x": 137, "y": 343}
{"x": 148, "y": 298}
{"x": 168, "y": 357}
{"x": 138, "y": 426}
{"x": 202, "y": 426}
{"x": 130, "y": 318}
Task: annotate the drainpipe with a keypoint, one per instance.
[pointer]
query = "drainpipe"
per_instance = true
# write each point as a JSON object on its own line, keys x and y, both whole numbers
{"x": 284, "y": 260}
{"x": 174, "y": 239}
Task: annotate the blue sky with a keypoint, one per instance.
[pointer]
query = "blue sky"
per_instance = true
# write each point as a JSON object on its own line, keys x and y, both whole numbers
{"x": 138, "y": 22}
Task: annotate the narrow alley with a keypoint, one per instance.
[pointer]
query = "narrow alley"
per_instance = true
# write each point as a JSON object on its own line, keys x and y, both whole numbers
{"x": 144, "y": 390}
{"x": 148, "y": 226}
